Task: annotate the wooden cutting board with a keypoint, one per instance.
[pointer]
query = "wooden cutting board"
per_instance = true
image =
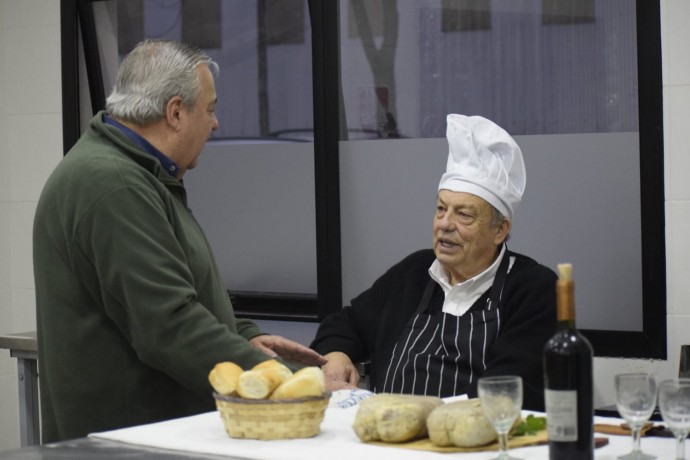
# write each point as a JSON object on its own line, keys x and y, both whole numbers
{"x": 425, "y": 444}
{"x": 537, "y": 439}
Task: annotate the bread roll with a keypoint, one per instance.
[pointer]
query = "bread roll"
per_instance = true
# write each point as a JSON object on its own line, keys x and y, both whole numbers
{"x": 257, "y": 384}
{"x": 260, "y": 381}
{"x": 308, "y": 381}
{"x": 224, "y": 377}
{"x": 282, "y": 369}
{"x": 460, "y": 423}
{"x": 394, "y": 418}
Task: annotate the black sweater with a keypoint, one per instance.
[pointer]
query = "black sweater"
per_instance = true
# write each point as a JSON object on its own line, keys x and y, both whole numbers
{"x": 369, "y": 328}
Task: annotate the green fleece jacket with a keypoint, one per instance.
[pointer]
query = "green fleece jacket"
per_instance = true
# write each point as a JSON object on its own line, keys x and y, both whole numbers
{"x": 131, "y": 311}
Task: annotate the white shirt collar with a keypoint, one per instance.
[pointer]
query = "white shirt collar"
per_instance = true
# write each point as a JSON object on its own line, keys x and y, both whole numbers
{"x": 460, "y": 297}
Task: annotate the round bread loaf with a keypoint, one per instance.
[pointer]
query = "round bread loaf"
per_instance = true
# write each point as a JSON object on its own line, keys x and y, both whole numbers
{"x": 224, "y": 377}
{"x": 394, "y": 417}
{"x": 308, "y": 381}
{"x": 460, "y": 423}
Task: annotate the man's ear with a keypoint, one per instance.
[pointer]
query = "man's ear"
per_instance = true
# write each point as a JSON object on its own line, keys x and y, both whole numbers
{"x": 503, "y": 230}
{"x": 173, "y": 111}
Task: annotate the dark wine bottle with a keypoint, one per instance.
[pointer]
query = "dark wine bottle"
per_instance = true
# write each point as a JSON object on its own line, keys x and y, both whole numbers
{"x": 568, "y": 385}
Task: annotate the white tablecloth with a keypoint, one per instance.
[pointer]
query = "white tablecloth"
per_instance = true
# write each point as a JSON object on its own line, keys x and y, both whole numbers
{"x": 205, "y": 434}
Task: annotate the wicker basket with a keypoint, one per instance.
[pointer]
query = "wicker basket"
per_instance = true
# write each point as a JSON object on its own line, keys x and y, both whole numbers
{"x": 272, "y": 419}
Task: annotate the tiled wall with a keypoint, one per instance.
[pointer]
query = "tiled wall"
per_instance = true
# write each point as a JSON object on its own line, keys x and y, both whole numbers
{"x": 31, "y": 145}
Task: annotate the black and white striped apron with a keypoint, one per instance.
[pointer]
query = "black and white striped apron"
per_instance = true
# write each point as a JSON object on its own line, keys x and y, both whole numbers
{"x": 439, "y": 353}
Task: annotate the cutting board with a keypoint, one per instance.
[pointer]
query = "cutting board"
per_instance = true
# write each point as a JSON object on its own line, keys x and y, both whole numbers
{"x": 540, "y": 437}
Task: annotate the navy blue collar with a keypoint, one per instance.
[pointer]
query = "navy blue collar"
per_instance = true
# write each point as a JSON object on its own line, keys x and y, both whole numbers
{"x": 168, "y": 165}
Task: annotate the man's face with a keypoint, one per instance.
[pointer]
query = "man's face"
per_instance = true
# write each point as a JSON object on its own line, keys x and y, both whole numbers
{"x": 465, "y": 242}
{"x": 200, "y": 121}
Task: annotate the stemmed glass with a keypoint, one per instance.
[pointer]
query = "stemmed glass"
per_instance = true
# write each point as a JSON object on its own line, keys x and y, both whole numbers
{"x": 635, "y": 400}
{"x": 674, "y": 404}
{"x": 501, "y": 400}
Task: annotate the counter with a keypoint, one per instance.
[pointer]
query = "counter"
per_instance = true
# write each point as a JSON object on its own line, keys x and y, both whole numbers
{"x": 23, "y": 346}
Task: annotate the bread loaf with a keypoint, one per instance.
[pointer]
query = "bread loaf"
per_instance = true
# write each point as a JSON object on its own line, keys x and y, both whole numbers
{"x": 224, "y": 377}
{"x": 260, "y": 381}
{"x": 394, "y": 418}
{"x": 460, "y": 423}
{"x": 308, "y": 381}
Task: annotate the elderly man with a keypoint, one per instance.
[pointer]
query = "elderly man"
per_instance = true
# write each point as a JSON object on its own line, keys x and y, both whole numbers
{"x": 440, "y": 319}
{"x": 132, "y": 313}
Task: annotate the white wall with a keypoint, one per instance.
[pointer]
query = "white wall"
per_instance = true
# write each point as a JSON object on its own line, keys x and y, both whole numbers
{"x": 31, "y": 146}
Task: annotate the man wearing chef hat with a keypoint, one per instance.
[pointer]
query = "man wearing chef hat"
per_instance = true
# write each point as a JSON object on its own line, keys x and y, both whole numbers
{"x": 440, "y": 319}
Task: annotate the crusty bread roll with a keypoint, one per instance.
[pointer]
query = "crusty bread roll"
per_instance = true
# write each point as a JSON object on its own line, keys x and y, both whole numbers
{"x": 224, "y": 377}
{"x": 258, "y": 384}
{"x": 308, "y": 381}
{"x": 393, "y": 418}
{"x": 282, "y": 369}
{"x": 260, "y": 381}
{"x": 460, "y": 423}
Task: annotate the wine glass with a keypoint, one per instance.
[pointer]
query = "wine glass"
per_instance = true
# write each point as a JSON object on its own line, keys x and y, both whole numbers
{"x": 501, "y": 400}
{"x": 635, "y": 400}
{"x": 674, "y": 404}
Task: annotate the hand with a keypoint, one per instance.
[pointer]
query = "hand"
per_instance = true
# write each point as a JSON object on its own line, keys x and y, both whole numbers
{"x": 339, "y": 372}
{"x": 275, "y": 345}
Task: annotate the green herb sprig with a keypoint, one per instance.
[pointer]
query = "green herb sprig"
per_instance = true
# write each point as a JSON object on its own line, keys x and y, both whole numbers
{"x": 529, "y": 426}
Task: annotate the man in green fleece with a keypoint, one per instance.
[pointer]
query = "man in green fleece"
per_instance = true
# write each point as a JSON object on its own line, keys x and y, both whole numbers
{"x": 132, "y": 314}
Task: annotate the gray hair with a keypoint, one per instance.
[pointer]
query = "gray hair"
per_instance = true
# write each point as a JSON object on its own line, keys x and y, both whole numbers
{"x": 154, "y": 72}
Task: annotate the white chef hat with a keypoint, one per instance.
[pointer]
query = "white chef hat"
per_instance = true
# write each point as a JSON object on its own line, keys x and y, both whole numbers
{"x": 485, "y": 161}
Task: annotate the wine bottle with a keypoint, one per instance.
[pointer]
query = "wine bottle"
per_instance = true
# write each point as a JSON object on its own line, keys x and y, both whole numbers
{"x": 568, "y": 385}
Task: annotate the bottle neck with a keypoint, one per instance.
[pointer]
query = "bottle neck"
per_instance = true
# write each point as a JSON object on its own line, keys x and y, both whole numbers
{"x": 565, "y": 298}
{"x": 565, "y": 325}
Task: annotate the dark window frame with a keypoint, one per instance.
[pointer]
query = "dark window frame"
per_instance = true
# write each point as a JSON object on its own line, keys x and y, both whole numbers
{"x": 648, "y": 343}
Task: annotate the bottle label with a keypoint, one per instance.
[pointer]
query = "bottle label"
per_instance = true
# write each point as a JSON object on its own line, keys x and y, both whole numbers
{"x": 561, "y": 413}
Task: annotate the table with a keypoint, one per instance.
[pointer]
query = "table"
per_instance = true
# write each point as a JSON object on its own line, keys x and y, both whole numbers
{"x": 203, "y": 437}
{"x": 23, "y": 347}
{"x": 90, "y": 449}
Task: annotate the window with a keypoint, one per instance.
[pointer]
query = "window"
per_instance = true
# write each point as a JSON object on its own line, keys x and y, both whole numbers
{"x": 566, "y": 79}
{"x": 352, "y": 95}
{"x": 261, "y": 155}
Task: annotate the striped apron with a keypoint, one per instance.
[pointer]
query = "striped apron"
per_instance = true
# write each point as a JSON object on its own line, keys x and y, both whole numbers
{"x": 438, "y": 353}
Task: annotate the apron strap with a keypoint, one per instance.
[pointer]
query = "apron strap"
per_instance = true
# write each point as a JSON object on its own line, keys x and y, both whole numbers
{"x": 499, "y": 280}
{"x": 426, "y": 297}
